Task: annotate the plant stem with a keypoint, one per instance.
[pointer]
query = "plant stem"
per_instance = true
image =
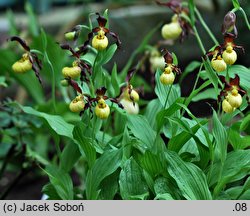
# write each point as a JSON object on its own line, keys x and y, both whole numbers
{"x": 227, "y": 74}
{"x": 169, "y": 90}
{"x": 106, "y": 126}
{"x": 199, "y": 41}
{"x": 197, "y": 77}
{"x": 53, "y": 80}
{"x": 57, "y": 145}
{"x": 203, "y": 23}
{"x": 244, "y": 15}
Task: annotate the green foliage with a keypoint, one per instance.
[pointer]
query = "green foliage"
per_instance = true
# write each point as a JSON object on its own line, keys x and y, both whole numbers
{"x": 189, "y": 178}
{"x": 165, "y": 152}
{"x": 132, "y": 184}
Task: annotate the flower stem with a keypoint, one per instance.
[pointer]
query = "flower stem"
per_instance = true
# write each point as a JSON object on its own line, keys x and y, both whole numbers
{"x": 244, "y": 15}
{"x": 197, "y": 77}
{"x": 199, "y": 41}
{"x": 53, "y": 81}
{"x": 203, "y": 23}
{"x": 169, "y": 90}
{"x": 227, "y": 74}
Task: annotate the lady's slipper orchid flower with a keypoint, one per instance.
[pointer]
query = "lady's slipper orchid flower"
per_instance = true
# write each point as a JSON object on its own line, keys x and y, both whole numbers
{"x": 225, "y": 53}
{"x": 178, "y": 27}
{"x": 28, "y": 61}
{"x": 100, "y": 40}
{"x": 168, "y": 76}
{"x": 78, "y": 104}
{"x": 218, "y": 63}
{"x": 79, "y": 67}
{"x": 102, "y": 109}
{"x": 129, "y": 96}
{"x": 156, "y": 60}
{"x": 232, "y": 94}
{"x": 229, "y": 55}
{"x": 172, "y": 30}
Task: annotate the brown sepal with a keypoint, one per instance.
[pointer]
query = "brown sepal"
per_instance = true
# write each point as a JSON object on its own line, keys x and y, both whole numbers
{"x": 101, "y": 20}
{"x": 101, "y": 91}
{"x": 75, "y": 85}
{"x": 21, "y": 42}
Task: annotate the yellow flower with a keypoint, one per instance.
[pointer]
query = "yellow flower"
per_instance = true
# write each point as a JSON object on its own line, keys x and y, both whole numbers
{"x": 218, "y": 64}
{"x": 102, "y": 110}
{"x": 172, "y": 30}
{"x": 229, "y": 55}
{"x": 234, "y": 98}
{"x": 167, "y": 77}
{"x": 77, "y": 105}
{"x": 23, "y": 65}
{"x": 226, "y": 106}
{"x": 72, "y": 72}
{"x": 100, "y": 41}
{"x": 133, "y": 96}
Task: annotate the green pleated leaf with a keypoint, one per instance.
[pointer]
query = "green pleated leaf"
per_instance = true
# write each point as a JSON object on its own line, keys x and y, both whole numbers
{"x": 106, "y": 55}
{"x": 238, "y": 141}
{"x": 211, "y": 75}
{"x": 196, "y": 92}
{"x": 177, "y": 142}
{"x": 103, "y": 166}
{"x": 61, "y": 181}
{"x": 165, "y": 196}
{"x": 132, "y": 184}
{"x": 236, "y": 167}
{"x": 221, "y": 138}
{"x": 189, "y": 178}
{"x": 141, "y": 129}
{"x": 240, "y": 70}
{"x": 165, "y": 189}
{"x": 207, "y": 94}
{"x": 109, "y": 186}
{"x": 57, "y": 123}
{"x": 85, "y": 143}
{"x": 163, "y": 115}
{"x": 115, "y": 81}
{"x": 70, "y": 155}
{"x": 51, "y": 192}
{"x": 153, "y": 107}
{"x": 245, "y": 123}
{"x": 152, "y": 163}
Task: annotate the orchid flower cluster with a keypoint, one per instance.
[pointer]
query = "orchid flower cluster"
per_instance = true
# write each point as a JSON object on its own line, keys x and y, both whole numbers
{"x": 81, "y": 69}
